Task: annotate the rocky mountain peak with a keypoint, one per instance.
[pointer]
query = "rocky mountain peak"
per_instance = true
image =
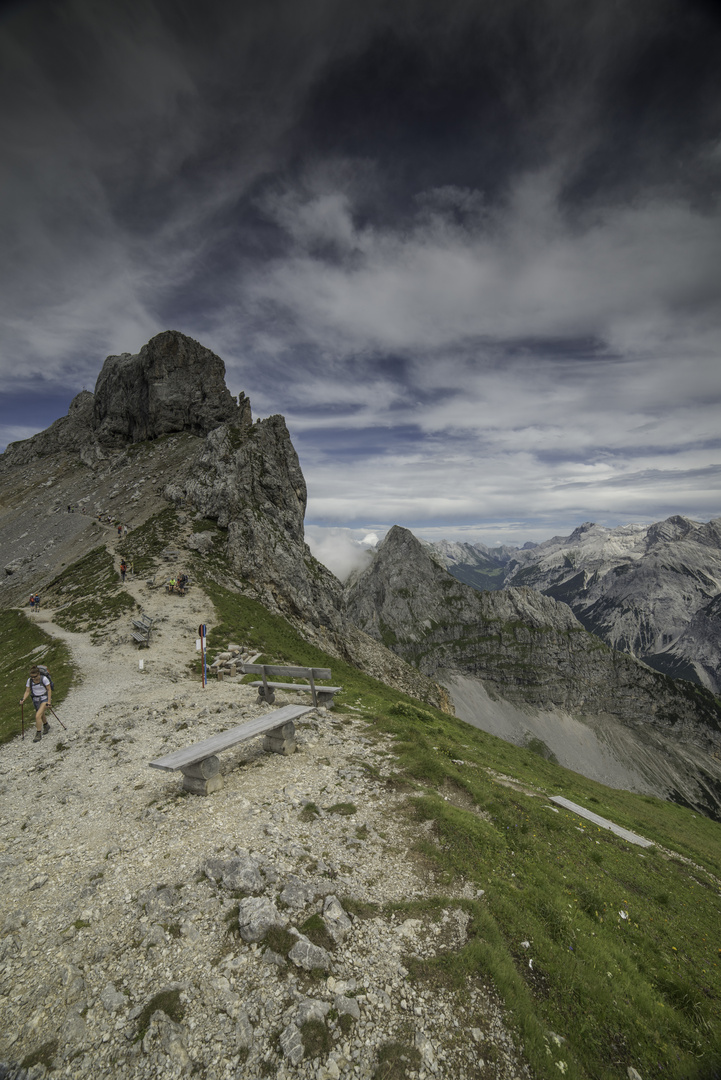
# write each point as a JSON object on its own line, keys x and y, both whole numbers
{"x": 672, "y": 528}
{"x": 173, "y": 384}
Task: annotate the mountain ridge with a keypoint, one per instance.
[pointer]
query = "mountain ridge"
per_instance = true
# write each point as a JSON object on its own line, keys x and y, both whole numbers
{"x": 640, "y": 588}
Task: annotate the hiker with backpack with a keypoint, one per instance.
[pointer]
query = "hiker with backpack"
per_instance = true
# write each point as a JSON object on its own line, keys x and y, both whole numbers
{"x": 123, "y": 569}
{"x": 40, "y": 686}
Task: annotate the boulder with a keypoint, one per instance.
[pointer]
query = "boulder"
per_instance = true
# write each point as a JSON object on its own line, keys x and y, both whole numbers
{"x": 256, "y": 915}
{"x": 305, "y": 954}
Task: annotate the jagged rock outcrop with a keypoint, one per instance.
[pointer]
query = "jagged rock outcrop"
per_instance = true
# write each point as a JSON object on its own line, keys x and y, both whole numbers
{"x": 173, "y": 384}
{"x": 529, "y": 650}
{"x": 248, "y": 478}
{"x": 71, "y": 434}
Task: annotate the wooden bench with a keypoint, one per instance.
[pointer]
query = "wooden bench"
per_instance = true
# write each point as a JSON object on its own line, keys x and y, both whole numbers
{"x": 322, "y": 695}
{"x": 142, "y": 632}
{"x": 199, "y": 763}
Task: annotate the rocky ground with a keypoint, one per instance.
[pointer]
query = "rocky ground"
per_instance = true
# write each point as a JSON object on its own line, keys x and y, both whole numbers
{"x": 133, "y": 915}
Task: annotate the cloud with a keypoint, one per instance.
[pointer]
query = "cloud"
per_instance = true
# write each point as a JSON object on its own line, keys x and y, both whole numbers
{"x": 472, "y": 252}
{"x": 339, "y": 549}
{"x": 635, "y": 276}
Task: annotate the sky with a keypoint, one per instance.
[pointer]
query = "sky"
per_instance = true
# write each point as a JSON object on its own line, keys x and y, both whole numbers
{"x": 470, "y": 250}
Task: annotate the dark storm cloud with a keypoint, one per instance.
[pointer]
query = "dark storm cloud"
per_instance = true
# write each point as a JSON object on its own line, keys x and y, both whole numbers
{"x": 472, "y": 250}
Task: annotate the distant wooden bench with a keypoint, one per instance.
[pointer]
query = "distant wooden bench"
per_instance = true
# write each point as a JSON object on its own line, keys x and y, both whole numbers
{"x": 143, "y": 626}
{"x": 199, "y": 763}
{"x": 321, "y": 695}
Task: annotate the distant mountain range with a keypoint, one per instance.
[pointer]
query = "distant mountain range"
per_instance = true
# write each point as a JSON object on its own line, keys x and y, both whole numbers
{"x": 520, "y": 665}
{"x": 653, "y": 591}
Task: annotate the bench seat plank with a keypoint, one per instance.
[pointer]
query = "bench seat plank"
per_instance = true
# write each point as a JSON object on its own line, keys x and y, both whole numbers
{"x": 277, "y": 671}
{"x": 299, "y": 686}
{"x": 224, "y": 740}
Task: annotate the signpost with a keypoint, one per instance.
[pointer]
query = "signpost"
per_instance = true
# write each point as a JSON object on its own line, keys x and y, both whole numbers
{"x": 202, "y": 633}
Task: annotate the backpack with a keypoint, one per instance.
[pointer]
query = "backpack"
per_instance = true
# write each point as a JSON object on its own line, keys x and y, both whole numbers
{"x": 44, "y": 671}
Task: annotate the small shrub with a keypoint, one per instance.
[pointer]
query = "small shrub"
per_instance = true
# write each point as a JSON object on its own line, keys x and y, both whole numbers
{"x": 279, "y": 940}
{"x": 316, "y": 1038}
{"x": 345, "y": 808}
{"x": 316, "y": 931}
{"x": 395, "y": 1060}
{"x": 412, "y": 712}
{"x": 309, "y": 812}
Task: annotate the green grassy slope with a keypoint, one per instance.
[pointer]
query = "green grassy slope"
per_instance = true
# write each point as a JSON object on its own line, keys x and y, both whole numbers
{"x": 22, "y": 644}
{"x": 623, "y": 954}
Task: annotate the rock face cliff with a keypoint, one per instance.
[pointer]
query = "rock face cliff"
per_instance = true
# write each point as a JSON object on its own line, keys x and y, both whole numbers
{"x": 529, "y": 650}
{"x": 248, "y": 478}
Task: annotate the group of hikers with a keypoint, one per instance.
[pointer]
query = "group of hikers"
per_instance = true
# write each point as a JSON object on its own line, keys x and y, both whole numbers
{"x": 34, "y": 602}
{"x": 178, "y": 584}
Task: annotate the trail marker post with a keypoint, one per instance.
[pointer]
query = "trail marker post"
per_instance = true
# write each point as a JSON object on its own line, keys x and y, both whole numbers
{"x": 202, "y": 633}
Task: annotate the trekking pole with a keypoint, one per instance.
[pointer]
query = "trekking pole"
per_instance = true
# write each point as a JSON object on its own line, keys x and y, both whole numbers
{"x": 22, "y": 718}
{"x": 62, "y": 725}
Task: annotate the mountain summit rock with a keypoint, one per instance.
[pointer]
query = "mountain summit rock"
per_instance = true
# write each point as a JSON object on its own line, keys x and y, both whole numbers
{"x": 174, "y": 384}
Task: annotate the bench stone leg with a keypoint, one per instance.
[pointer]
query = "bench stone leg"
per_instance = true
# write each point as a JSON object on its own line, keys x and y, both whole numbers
{"x": 203, "y": 777}
{"x": 269, "y": 700}
{"x": 196, "y": 786}
{"x": 281, "y": 740}
{"x": 326, "y": 700}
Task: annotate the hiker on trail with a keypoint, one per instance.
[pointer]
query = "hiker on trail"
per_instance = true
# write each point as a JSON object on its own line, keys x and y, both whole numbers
{"x": 120, "y": 532}
{"x": 37, "y": 601}
{"x": 123, "y": 568}
{"x": 32, "y": 602}
{"x": 39, "y": 686}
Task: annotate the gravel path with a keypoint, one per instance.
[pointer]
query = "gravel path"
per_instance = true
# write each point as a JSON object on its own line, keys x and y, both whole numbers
{"x": 123, "y": 898}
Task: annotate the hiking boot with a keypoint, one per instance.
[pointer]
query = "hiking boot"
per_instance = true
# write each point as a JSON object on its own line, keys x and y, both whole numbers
{"x": 38, "y": 736}
{"x": 46, "y": 727}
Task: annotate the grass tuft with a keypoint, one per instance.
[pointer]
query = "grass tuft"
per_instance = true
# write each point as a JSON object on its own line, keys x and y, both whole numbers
{"x": 344, "y": 808}
{"x": 44, "y": 1055}
{"x": 167, "y": 1001}
{"x": 395, "y": 1061}
{"x": 317, "y": 932}
{"x": 316, "y": 1038}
